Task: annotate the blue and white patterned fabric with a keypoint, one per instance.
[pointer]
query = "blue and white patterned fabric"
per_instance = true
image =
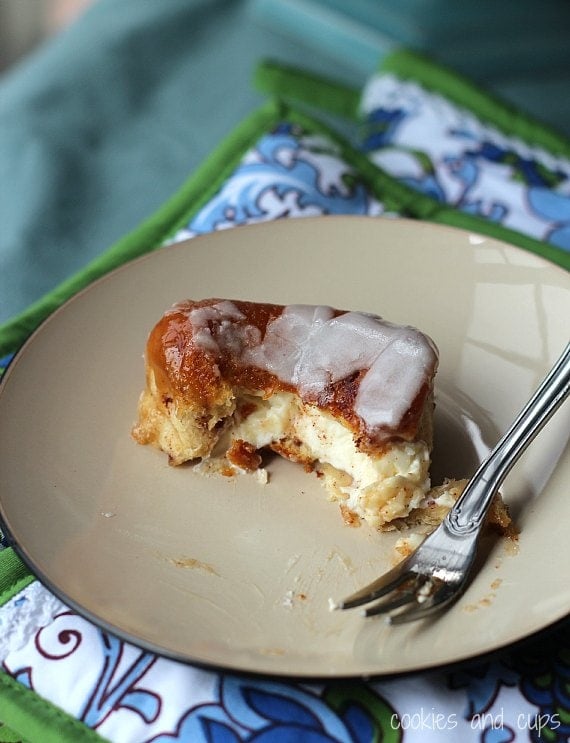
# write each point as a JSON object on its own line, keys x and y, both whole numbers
{"x": 423, "y": 140}
{"x": 288, "y": 174}
{"x": 132, "y": 696}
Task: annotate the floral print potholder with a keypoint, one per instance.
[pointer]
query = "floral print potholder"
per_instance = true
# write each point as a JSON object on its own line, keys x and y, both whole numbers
{"x": 417, "y": 153}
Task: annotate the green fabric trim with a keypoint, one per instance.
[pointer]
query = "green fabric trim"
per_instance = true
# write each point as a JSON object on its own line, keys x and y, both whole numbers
{"x": 9, "y": 736}
{"x": 150, "y": 234}
{"x": 37, "y": 720}
{"x": 14, "y": 575}
{"x": 463, "y": 92}
{"x": 300, "y": 86}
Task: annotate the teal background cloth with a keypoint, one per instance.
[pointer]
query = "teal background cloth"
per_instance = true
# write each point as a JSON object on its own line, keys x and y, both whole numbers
{"x": 104, "y": 122}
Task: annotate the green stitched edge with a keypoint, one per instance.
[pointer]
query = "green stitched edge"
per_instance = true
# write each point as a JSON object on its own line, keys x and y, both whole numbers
{"x": 36, "y": 719}
{"x": 14, "y": 575}
{"x": 285, "y": 81}
{"x": 7, "y": 735}
{"x": 463, "y": 92}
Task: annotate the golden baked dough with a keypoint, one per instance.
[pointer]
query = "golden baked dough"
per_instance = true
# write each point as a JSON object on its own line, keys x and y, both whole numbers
{"x": 345, "y": 393}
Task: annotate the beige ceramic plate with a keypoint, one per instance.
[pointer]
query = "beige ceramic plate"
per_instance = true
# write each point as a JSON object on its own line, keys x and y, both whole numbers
{"x": 233, "y": 574}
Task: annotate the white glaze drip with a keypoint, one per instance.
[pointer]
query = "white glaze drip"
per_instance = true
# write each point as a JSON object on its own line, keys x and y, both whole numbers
{"x": 309, "y": 347}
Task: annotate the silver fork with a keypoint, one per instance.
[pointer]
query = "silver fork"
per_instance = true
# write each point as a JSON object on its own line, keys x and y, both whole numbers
{"x": 437, "y": 572}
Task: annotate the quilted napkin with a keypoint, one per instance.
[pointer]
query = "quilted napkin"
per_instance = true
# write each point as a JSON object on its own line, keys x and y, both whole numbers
{"x": 422, "y": 143}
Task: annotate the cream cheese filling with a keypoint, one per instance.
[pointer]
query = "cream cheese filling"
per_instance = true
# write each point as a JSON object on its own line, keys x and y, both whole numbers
{"x": 378, "y": 488}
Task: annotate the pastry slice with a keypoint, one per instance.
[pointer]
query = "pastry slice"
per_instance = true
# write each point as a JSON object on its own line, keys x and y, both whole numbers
{"x": 347, "y": 394}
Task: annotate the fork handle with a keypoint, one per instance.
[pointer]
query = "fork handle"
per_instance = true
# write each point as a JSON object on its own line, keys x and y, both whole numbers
{"x": 471, "y": 508}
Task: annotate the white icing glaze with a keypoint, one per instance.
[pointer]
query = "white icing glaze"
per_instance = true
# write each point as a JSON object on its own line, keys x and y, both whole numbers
{"x": 231, "y": 334}
{"x": 309, "y": 347}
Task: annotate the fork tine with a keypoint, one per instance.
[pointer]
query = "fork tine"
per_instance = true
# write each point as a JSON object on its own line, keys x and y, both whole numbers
{"x": 414, "y": 612}
{"x": 419, "y": 611}
{"x": 417, "y": 591}
{"x": 380, "y": 587}
{"x": 386, "y": 605}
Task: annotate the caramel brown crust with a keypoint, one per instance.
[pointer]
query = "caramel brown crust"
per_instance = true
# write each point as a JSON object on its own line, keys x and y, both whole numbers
{"x": 203, "y": 379}
{"x": 244, "y": 455}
